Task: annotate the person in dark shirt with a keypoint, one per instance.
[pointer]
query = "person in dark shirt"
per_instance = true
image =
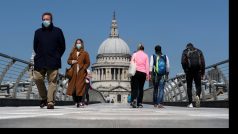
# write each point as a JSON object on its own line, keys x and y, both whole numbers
{"x": 193, "y": 64}
{"x": 49, "y": 47}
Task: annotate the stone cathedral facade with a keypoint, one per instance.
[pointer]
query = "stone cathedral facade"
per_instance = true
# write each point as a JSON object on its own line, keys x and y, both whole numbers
{"x": 111, "y": 67}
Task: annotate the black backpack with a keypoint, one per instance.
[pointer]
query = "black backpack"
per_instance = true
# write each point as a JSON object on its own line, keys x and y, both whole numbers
{"x": 194, "y": 59}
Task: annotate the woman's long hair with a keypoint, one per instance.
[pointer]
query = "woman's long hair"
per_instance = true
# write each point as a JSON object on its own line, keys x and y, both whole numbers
{"x": 74, "y": 46}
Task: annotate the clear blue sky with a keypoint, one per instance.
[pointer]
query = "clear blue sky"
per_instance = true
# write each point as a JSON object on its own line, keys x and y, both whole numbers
{"x": 170, "y": 23}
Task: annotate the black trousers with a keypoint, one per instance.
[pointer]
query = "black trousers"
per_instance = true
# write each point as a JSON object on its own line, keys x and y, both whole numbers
{"x": 137, "y": 86}
{"x": 76, "y": 99}
{"x": 132, "y": 88}
{"x": 86, "y": 95}
{"x": 196, "y": 76}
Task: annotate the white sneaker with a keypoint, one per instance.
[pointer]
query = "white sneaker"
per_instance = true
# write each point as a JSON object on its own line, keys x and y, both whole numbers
{"x": 190, "y": 105}
{"x": 197, "y": 99}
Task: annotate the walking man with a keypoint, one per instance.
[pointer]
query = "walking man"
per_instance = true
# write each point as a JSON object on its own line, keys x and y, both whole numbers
{"x": 49, "y": 46}
{"x": 193, "y": 64}
{"x": 159, "y": 70}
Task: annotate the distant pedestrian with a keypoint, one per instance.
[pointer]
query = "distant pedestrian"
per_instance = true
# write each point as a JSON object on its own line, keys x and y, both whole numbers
{"x": 140, "y": 58}
{"x": 79, "y": 60}
{"x": 129, "y": 98}
{"x": 132, "y": 84}
{"x": 193, "y": 64}
{"x": 88, "y": 86}
{"x": 159, "y": 70}
{"x": 112, "y": 101}
{"x": 49, "y": 47}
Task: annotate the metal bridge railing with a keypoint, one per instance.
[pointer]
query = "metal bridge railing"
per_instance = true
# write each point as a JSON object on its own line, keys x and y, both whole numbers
{"x": 16, "y": 78}
{"x": 215, "y": 86}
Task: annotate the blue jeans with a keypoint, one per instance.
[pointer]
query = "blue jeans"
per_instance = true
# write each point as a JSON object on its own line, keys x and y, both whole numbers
{"x": 159, "y": 84}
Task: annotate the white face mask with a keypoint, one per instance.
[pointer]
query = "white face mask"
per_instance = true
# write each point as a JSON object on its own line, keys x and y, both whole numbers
{"x": 78, "y": 46}
{"x": 46, "y": 23}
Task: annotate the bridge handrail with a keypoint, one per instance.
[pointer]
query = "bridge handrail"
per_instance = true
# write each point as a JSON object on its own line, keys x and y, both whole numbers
{"x": 208, "y": 67}
{"x": 18, "y": 68}
{"x": 21, "y": 72}
{"x": 175, "y": 84}
{"x": 15, "y": 59}
{"x": 217, "y": 64}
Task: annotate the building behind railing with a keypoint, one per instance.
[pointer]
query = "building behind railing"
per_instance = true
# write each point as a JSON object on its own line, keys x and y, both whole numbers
{"x": 16, "y": 78}
{"x": 215, "y": 86}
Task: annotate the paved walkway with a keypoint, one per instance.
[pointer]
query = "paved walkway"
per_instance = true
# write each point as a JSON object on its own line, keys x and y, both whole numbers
{"x": 106, "y": 115}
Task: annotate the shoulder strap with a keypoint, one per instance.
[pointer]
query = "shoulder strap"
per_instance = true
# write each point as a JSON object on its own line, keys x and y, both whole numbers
{"x": 165, "y": 58}
{"x": 154, "y": 59}
{"x": 199, "y": 56}
{"x": 188, "y": 52}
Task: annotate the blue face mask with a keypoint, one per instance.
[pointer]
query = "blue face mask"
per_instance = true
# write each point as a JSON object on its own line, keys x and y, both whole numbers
{"x": 46, "y": 23}
{"x": 78, "y": 46}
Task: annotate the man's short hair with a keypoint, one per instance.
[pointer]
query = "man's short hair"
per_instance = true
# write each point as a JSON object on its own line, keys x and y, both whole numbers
{"x": 158, "y": 49}
{"x": 47, "y": 13}
{"x": 189, "y": 45}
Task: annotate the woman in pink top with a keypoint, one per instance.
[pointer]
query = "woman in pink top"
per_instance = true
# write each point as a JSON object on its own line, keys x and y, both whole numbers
{"x": 140, "y": 58}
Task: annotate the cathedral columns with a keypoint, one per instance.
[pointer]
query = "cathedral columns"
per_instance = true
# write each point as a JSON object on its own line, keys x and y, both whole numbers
{"x": 102, "y": 74}
{"x": 119, "y": 74}
{"x": 105, "y": 73}
{"x": 108, "y": 74}
{"x": 114, "y": 71}
{"x": 96, "y": 77}
{"x": 122, "y": 75}
{"x": 96, "y": 74}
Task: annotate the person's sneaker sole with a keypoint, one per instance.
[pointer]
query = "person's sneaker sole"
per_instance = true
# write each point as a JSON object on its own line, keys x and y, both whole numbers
{"x": 140, "y": 106}
{"x": 134, "y": 106}
{"x": 197, "y": 101}
{"x": 160, "y": 106}
{"x": 50, "y": 107}
{"x": 43, "y": 103}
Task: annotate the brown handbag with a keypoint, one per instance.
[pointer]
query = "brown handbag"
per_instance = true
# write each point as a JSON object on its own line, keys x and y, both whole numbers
{"x": 69, "y": 72}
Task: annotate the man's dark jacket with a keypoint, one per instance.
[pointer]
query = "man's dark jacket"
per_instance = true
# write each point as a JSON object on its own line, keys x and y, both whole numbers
{"x": 184, "y": 62}
{"x": 49, "y": 46}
